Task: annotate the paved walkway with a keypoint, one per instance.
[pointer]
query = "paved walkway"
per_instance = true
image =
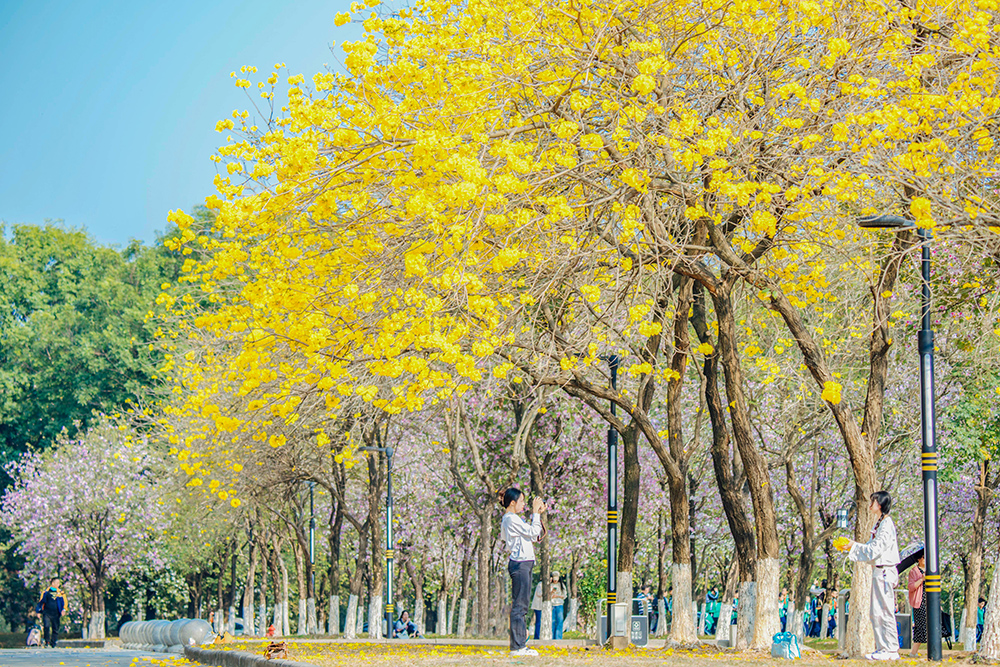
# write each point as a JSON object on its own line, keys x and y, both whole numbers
{"x": 72, "y": 657}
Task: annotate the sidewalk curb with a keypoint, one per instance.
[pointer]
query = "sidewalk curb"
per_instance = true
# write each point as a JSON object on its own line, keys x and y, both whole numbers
{"x": 220, "y": 658}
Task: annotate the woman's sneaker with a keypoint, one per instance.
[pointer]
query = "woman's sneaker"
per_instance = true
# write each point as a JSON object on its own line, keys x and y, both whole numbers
{"x": 883, "y": 655}
{"x": 524, "y": 651}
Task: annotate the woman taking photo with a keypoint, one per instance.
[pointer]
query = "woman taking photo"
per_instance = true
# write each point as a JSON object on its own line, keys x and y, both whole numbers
{"x": 519, "y": 537}
{"x": 883, "y": 553}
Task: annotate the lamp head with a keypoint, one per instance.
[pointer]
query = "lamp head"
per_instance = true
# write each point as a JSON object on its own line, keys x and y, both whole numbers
{"x": 884, "y": 222}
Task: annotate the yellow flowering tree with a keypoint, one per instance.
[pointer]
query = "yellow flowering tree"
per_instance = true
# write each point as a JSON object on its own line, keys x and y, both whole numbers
{"x": 519, "y": 190}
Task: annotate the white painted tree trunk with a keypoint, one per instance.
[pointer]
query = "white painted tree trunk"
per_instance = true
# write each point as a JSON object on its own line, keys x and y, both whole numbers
{"x": 418, "y": 614}
{"x": 968, "y": 637}
{"x": 303, "y": 623}
{"x": 701, "y": 619}
{"x": 361, "y": 617}
{"x": 218, "y": 622}
{"x": 723, "y": 629}
{"x": 766, "y": 621}
{"x": 249, "y": 622}
{"x": 450, "y": 626}
{"x": 351, "y": 618}
{"x": 276, "y": 622}
{"x": 989, "y": 643}
{"x": 286, "y": 629}
{"x": 375, "y": 617}
{"x": 572, "y": 613}
{"x": 625, "y": 589}
{"x": 312, "y": 626}
{"x": 745, "y": 615}
{"x": 231, "y": 621}
{"x": 463, "y": 613}
{"x": 824, "y": 618}
{"x": 262, "y": 615}
{"x": 546, "y": 624}
{"x": 661, "y": 623}
{"x": 795, "y": 620}
{"x": 682, "y": 630}
{"x": 334, "y": 615}
{"x": 859, "y": 638}
{"x": 442, "y": 613}
{"x": 96, "y": 626}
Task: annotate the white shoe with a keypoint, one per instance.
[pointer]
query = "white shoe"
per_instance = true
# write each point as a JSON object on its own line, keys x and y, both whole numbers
{"x": 524, "y": 651}
{"x": 883, "y": 655}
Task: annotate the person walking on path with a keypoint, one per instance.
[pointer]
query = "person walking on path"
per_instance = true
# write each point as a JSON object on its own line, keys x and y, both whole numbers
{"x": 52, "y": 606}
{"x": 519, "y": 537}
{"x": 918, "y": 600}
{"x": 882, "y": 552}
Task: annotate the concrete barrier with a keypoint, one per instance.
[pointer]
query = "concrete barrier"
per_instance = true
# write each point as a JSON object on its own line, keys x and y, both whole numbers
{"x": 164, "y": 636}
{"x": 219, "y": 658}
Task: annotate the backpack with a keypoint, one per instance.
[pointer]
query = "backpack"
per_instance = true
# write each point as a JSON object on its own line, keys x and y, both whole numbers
{"x": 34, "y": 637}
{"x": 785, "y": 645}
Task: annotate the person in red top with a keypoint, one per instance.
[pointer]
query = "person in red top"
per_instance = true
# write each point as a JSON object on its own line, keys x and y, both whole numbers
{"x": 918, "y": 600}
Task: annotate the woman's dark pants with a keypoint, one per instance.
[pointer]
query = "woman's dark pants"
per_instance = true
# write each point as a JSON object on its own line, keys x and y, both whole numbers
{"x": 520, "y": 588}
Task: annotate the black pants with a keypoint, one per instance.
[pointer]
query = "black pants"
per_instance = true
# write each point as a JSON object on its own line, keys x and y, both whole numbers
{"x": 520, "y": 589}
{"x": 51, "y": 624}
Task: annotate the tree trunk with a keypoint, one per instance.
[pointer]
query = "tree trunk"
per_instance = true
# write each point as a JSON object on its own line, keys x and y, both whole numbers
{"x": 573, "y": 606}
{"x": 220, "y": 625}
{"x": 452, "y": 607}
{"x": 442, "y": 600}
{"x": 249, "y": 593}
{"x": 417, "y": 579}
{"x": 376, "y": 491}
{"x": 463, "y": 605}
{"x": 989, "y": 645}
{"x": 728, "y": 483}
{"x": 629, "y": 517}
{"x": 285, "y": 627}
{"x": 975, "y": 567}
{"x": 351, "y": 629}
{"x": 334, "y": 538}
{"x": 300, "y": 580}
{"x": 765, "y": 594}
{"x": 262, "y": 615}
{"x": 483, "y": 573}
{"x": 95, "y": 629}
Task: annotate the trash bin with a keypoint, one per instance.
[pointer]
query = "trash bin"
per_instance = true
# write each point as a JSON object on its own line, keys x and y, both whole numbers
{"x": 905, "y": 630}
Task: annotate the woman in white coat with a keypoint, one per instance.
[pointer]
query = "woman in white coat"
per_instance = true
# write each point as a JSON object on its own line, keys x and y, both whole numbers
{"x": 883, "y": 553}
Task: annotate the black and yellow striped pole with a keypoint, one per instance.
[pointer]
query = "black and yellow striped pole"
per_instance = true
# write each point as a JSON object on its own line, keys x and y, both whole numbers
{"x": 613, "y": 362}
{"x": 928, "y": 455}
{"x": 390, "y": 553}
{"x": 928, "y": 440}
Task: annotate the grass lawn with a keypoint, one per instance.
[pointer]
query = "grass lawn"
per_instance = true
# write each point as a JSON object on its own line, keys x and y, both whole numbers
{"x": 395, "y": 655}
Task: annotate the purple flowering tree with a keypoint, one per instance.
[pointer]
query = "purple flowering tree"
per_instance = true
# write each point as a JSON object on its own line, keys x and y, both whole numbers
{"x": 86, "y": 511}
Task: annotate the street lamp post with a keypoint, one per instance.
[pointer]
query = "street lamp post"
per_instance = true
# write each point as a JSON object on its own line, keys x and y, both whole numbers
{"x": 613, "y": 362}
{"x": 928, "y": 447}
{"x": 311, "y": 613}
{"x": 389, "y": 551}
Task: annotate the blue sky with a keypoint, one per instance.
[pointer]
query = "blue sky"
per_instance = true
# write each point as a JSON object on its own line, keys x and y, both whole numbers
{"x": 108, "y": 109}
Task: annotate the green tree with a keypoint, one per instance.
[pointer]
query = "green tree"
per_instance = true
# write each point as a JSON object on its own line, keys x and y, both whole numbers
{"x": 74, "y": 336}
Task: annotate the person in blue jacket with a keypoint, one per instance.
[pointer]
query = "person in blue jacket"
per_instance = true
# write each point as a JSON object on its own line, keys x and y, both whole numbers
{"x": 52, "y": 607}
